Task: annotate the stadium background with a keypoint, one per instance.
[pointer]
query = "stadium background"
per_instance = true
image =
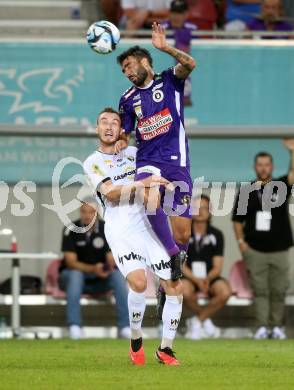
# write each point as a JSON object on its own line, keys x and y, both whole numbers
{"x": 52, "y": 83}
{"x": 62, "y": 86}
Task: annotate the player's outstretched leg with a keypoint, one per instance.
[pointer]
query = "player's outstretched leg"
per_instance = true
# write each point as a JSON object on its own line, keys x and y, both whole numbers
{"x": 171, "y": 316}
{"x": 137, "y": 303}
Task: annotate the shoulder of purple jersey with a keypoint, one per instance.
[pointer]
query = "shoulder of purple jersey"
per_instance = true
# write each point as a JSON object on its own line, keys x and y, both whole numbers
{"x": 190, "y": 26}
{"x": 165, "y": 24}
{"x": 127, "y": 94}
{"x": 166, "y": 72}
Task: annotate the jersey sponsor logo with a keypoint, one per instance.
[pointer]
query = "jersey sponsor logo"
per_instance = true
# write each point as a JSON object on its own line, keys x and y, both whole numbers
{"x": 122, "y": 164}
{"x": 125, "y": 174}
{"x": 137, "y": 97}
{"x": 109, "y": 163}
{"x": 131, "y": 158}
{"x": 130, "y": 256}
{"x": 138, "y": 112}
{"x": 155, "y": 125}
{"x": 98, "y": 243}
{"x": 157, "y": 95}
{"x": 97, "y": 170}
{"x": 162, "y": 265}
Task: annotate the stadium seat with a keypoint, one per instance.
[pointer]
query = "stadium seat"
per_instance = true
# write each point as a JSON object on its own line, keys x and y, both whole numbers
{"x": 202, "y": 13}
{"x": 238, "y": 280}
{"x": 51, "y": 280}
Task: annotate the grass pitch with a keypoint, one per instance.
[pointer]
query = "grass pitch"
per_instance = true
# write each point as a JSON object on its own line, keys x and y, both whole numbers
{"x": 103, "y": 364}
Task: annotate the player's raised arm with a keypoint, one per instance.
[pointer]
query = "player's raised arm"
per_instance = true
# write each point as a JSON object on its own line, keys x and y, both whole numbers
{"x": 186, "y": 62}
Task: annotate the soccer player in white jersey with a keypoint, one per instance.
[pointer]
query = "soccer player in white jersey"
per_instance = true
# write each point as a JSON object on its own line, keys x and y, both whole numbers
{"x": 133, "y": 243}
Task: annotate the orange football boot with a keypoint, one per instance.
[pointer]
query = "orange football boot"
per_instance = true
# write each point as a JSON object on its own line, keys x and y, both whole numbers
{"x": 166, "y": 356}
{"x": 137, "y": 358}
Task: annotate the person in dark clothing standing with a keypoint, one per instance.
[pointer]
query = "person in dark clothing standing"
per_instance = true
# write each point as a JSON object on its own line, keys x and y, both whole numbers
{"x": 263, "y": 231}
{"x": 202, "y": 271}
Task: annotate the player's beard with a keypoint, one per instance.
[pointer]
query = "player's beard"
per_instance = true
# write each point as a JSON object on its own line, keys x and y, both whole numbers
{"x": 141, "y": 76}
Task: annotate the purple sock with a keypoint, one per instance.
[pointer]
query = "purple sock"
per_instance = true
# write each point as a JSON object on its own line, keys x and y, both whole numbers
{"x": 183, "y": 247}
{"x": 161, "y": 228}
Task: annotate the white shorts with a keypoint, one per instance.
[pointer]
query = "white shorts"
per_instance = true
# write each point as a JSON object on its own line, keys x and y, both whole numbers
{"x": 139, "y": 250}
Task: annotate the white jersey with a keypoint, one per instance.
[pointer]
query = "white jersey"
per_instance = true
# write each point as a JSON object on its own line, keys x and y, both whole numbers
{"x": 130, "y": 236}
{"x": 120, "y": 169}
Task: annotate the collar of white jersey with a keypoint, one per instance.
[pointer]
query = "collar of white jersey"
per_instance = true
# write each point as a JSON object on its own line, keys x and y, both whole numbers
{"x": 108, "y": 154}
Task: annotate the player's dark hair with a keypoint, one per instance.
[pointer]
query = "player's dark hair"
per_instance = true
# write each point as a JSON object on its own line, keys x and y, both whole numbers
{"x": 263, "y": 154}
{"x": 137, "y": 52}
{"x": 89, "y": 200}
{"x": 201, "y": 197}
{"x": 107, "y": 109}
{"x": 179, "y": 6}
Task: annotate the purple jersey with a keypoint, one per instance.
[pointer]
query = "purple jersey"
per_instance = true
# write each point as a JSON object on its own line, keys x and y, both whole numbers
{"x": 157, "y": 112}
{"x": 259, "y": 25}
{"x": 182, "y": 36}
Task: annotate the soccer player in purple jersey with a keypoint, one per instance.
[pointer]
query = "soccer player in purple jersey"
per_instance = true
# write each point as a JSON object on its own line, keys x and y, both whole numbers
{"x": 155, "y": 105}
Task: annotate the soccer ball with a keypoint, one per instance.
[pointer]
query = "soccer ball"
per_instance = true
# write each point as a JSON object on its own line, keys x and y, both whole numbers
{"x": 103, "y": 37}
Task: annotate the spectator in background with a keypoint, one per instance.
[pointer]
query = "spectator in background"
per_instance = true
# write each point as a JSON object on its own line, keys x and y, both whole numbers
{"x": 142, "y": 13}
{"x": 264, "y": 237}
{"x": 270, "y": 18}
{"x": 203, "y": 269}
{"x": 111, "y": 10}
{"x": 243, "y": 11}
{"x": 89, "y": 268}
{"x": 182, "y": 36}
{"x": 288, "y": 7}
{"x": 202, "y": 13}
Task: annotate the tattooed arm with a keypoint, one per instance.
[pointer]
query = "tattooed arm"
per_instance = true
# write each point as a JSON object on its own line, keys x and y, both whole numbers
{"x": 186, "y": 62}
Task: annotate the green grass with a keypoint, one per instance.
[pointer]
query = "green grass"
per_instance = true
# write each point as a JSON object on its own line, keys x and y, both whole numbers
{"x": 103, "y": 364}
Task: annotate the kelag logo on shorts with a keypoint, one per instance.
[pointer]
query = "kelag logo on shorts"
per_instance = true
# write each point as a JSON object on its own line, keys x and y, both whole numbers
{"x": 130, "y": 256}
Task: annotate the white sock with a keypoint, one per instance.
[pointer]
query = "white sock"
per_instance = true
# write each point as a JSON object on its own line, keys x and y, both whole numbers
{"x": 136, "y": 304}
{"x": 171, "y": 316}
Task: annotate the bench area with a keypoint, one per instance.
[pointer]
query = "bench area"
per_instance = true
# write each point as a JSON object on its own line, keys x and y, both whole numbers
{"x": 43, "y": 311}
{"x": 48, "y": 310}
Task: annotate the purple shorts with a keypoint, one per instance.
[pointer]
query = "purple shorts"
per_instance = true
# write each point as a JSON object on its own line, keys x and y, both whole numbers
{"x": 177, "y": 202}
